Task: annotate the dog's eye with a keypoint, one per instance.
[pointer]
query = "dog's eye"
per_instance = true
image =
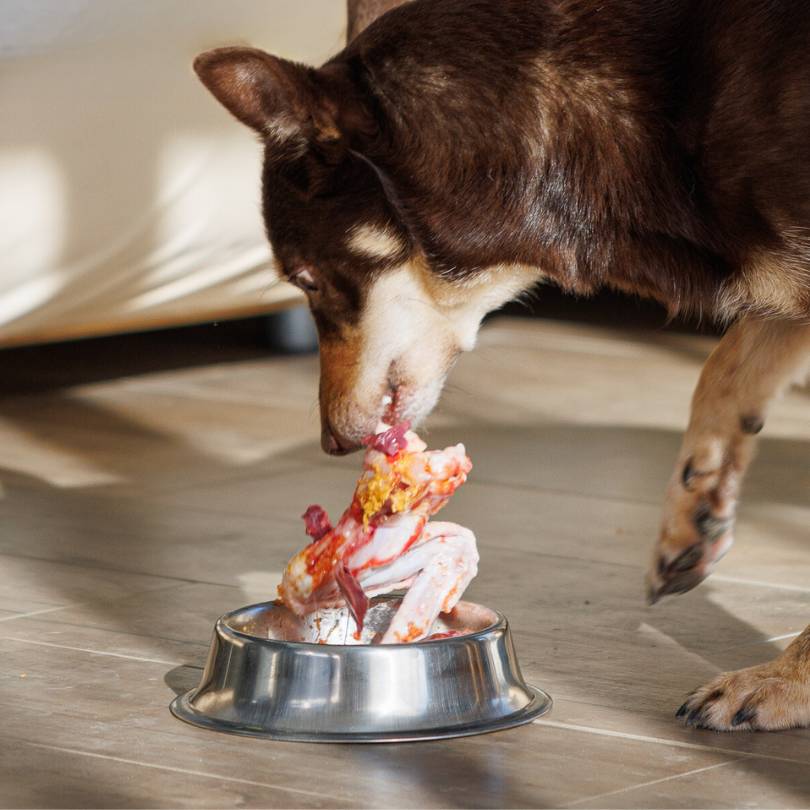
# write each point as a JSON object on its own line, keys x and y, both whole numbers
{"x": 304, "y": 280}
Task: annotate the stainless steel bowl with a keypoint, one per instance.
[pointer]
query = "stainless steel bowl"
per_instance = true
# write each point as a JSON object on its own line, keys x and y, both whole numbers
{"x": 261, "y": 680}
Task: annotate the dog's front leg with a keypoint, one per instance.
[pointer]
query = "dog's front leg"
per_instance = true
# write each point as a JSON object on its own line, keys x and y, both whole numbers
{"x": 755, "y": 361}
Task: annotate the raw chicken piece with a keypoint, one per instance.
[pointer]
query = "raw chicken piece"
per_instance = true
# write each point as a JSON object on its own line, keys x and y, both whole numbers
{"x": 384, "y": 542}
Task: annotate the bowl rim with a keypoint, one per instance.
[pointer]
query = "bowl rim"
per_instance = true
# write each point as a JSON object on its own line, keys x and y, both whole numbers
{"x": 221, "y": 626}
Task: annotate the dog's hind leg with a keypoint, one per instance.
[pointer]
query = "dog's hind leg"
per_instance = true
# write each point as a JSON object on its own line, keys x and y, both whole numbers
{"x": 753, "y": 363}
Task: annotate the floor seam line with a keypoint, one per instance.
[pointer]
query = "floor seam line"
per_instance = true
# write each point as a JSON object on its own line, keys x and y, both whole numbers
{"x": 102, "y": 628}
{"x": 93, "y": 652}
{"x": 758, "y": 583}
{"x": 39, "y": 612}
{"x": 604, "y": 732}
{"x": 173, "y": 769}
{"x": 670, "y": 778}
{"x": 770, "y": 640}
{"x": 108, "y": 569}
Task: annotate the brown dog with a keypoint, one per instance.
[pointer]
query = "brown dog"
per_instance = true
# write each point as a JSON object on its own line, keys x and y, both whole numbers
{"x": 458, "y": 151}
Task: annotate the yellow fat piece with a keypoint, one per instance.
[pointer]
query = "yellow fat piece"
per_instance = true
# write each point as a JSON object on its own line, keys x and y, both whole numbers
{"x": 374, "y": 491}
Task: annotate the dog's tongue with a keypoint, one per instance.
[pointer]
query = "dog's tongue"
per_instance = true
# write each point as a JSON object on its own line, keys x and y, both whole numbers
{"x": 389, "y": 441}
{"x": 353, "y": 593}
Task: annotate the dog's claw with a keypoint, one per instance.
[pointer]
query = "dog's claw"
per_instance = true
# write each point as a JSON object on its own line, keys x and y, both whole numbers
{"x": 680, "y": 582}
{"x": 688, "y": 568}
{"x": 696, "y": 716}
{"x": 687, "y": 559}
{"x": 744, "y": 715}
{"x": 652, "y": 594}
{"x": 710, "y": 526}
{"x": 687, "y": 474}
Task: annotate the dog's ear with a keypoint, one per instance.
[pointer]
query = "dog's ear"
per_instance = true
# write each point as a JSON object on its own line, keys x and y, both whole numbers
{"x": 278, "y": 98}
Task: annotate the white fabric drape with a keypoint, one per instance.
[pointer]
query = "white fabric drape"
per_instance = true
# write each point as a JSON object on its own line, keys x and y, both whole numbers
{"x": 128, "y": 197}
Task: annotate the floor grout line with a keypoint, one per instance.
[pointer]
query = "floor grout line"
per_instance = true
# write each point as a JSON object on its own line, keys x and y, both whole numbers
{"x": 174, "y": 769}
{"x": 97, "y": 566}
{"x": 604, "y": 732}
{"x": 39, "y": 612}
{"x": 167, "y": 583}
{"x": 100, "y": 627}
{"x": 758, "y": 583}
{"x": 784, "y": 636}
{"x": 93, "y": 652}
{"x": 652, "y": 782}
{"x": 759, "y": 642}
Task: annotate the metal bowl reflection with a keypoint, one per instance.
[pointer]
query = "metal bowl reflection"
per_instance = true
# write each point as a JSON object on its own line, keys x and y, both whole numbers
{"x": 261, "y": 680}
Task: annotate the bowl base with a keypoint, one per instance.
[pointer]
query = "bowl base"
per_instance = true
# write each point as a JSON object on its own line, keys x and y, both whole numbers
{"x": 540, "y": 704}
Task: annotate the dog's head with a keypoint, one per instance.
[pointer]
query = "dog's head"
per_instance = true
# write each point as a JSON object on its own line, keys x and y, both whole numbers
{"x": 390, "y": 322}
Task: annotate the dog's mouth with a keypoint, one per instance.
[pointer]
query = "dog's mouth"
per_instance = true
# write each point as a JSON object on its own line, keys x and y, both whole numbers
{"x": 391, "y": 406}
{"x": 391, "y": 403}
{"x": 390, "y": 411}
{"x": 351, "y": 413}
{"x": 400, "y": 404}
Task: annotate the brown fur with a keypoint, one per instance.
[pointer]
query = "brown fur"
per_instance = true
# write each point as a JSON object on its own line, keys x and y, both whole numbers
{"x": 642, "y": 149}
{"x": 459, "y": 150}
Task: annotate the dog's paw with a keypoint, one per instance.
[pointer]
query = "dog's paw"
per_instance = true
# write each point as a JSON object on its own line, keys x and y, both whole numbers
{"x": 698, "y": 521}
{"x": 763, "y": 698}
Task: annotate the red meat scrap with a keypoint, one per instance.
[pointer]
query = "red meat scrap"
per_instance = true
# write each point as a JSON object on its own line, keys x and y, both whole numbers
{"x": 316, "y": 522}
{"x": 390, "y": 441}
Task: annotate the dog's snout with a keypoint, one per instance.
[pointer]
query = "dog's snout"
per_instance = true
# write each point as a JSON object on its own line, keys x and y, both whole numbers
{"x": 330, "y": 443}
{"x": 333, "y": 444}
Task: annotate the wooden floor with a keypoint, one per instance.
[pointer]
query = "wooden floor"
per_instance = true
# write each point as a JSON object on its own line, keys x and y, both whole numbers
{"x": 133, "y": 512}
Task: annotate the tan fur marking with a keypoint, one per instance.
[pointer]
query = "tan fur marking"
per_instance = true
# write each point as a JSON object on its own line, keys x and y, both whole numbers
{"x": 773, "y": 283}
{"x": 339, "y": 378}
{"x": 481, "y": 293}
{"x": 378, "y": 243}
{"x": 466, "y": 302}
